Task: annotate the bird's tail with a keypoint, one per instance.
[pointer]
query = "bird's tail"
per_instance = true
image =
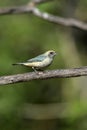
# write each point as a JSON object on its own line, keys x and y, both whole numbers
{"x": 18, "y": 64}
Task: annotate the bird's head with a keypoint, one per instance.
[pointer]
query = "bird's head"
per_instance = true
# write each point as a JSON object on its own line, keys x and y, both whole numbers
{"x": 50, "y": 53}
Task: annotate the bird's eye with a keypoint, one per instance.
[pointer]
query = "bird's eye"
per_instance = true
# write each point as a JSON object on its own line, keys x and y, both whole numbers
{"x": 51, "y": 53}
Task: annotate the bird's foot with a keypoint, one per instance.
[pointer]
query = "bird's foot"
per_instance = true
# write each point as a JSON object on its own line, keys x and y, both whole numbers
{"x": 39, "y": 71}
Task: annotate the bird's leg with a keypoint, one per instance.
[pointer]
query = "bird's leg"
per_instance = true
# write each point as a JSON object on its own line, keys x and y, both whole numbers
{"x": 34, "y": 70}
{"x": 37, "y": 72}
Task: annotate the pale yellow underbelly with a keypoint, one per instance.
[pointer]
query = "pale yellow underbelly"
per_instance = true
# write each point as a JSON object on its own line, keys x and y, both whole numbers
{"x": 42, "y": 64}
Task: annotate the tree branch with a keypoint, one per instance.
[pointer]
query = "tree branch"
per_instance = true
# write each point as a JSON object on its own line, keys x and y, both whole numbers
{"x": 31, "y": 8}
{"x": 41, "y": 1}
{"x": 60, "y": 73}
{"x": 22, "y": 9}
{"x": 69, "y": 22}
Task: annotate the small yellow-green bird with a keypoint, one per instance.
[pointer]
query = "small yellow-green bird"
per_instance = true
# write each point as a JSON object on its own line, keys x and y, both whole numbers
{"x": 39, "y": 62}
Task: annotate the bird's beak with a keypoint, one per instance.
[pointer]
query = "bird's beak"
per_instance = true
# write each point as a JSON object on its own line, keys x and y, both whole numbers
{"x": 55, "y": 54}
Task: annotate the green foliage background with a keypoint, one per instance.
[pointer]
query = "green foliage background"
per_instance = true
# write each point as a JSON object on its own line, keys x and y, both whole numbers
{"x": 25, "y": 36}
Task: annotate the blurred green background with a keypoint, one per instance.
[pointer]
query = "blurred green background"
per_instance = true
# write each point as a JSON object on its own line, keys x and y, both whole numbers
{"x": 26, "y": 106}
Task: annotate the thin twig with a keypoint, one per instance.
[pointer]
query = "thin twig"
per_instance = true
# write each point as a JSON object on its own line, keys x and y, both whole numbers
{"x": 60, "y": 73}
{"x": 31, "y": 8}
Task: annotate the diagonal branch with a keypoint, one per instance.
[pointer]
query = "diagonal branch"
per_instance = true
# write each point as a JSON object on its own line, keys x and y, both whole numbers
{"x": 22, "y": 9}
{"x": 41, "y": 1}
{"x": 60, "y": 73}
{"x": 31, "y": 8}
{"x": 69, "y": 22}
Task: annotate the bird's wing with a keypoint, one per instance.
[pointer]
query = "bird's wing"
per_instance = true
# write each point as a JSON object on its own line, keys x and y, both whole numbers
{"x": 39, "y": 58}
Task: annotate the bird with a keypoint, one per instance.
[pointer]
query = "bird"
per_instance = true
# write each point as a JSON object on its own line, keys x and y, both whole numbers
{"x": 39, "y": 62}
